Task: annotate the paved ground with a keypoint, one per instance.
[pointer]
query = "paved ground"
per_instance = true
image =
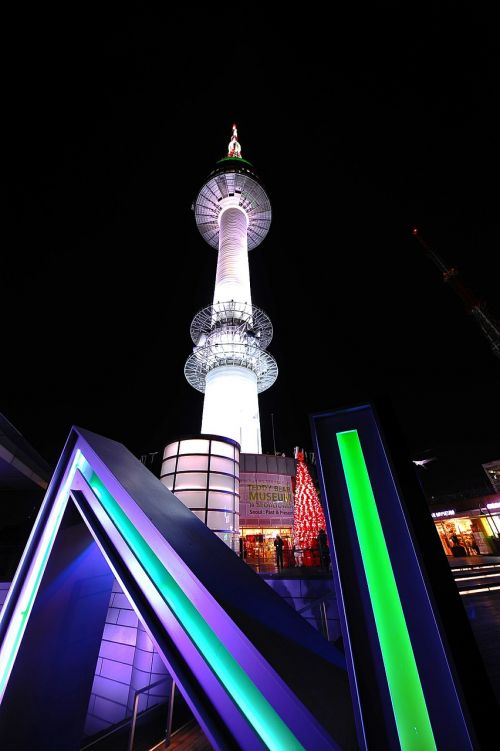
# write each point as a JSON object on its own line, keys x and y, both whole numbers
{"x": 478, "y": 581}
{"x": 188, "y": 738}
{"x": 474, "y": 560}
{"x": 297, "y": 572}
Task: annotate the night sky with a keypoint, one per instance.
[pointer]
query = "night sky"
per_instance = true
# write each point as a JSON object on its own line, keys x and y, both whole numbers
{"x": 360, "y": 127}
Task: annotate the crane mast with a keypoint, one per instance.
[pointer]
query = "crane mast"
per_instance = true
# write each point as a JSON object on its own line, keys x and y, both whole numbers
{"x": 450, "y": 276}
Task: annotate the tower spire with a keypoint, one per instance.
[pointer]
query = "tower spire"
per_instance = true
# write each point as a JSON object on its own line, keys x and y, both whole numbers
{"x": 234, "y": 148}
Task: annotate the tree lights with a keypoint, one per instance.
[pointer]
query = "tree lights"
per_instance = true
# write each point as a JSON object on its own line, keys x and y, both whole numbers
{"x": 308, "y": 516}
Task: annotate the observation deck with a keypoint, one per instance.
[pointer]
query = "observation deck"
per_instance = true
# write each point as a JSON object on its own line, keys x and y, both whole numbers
{"x": 233, "y": 177}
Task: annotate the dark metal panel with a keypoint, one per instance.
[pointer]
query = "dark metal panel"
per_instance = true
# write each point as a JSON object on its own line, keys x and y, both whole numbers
{"x": 440, "y": 635}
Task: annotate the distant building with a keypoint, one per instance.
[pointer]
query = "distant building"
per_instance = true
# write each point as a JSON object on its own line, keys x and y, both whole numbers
{"x": 492, "y": 470}
{"x": 468, "y": 526}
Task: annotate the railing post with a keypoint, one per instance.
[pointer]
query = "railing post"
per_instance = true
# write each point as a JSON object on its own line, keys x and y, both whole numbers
{"x": 324, "y": 619}
{"x": 134, "y": 720}
{"x": 135, "y": 707}
{"x": 170, "y": 714}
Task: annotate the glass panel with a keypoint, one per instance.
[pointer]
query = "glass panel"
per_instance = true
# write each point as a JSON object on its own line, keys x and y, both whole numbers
{"x": 224, "y": 449}
{"x": 225, "y": 537}
{"x": 192, "y": 498}
{"x": 168, "y": 466}
{"x": 217, "y": 464}
{"x": 190, "y": 480}
{"x": 171, "y": 449}
{"x": 221, "y": 482}
{"x": 193, "y": 463}
{"x": 193, "y": 446}
{"x": 220, "y": 500}
{"x": 220, "y": 520}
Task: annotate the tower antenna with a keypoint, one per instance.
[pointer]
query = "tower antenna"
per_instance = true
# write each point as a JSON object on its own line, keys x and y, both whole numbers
{"x": 234, "y": 148}
{"x": 488, "y": 327}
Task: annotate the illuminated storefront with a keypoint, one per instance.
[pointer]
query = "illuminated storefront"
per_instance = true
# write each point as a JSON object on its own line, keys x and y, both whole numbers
{"x": 258, "y": 545}
{"x": 266, "y": 507}
{"x": 468, "y": 532}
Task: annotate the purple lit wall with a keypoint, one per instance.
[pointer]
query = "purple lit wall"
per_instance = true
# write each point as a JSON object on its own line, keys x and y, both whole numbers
{"x": 127, "y": 662}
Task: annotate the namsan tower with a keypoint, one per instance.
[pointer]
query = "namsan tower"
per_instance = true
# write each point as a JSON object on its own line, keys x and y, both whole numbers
{"x": 229, "y": 362}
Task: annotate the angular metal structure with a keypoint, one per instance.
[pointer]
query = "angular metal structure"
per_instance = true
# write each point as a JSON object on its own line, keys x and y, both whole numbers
{"x": 255, "y": 675}
{"x": 412, "y": 659}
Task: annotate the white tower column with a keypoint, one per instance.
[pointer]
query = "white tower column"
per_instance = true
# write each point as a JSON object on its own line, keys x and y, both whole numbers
{"x": 232, "y": 280}
{"x": 231, "y": 406}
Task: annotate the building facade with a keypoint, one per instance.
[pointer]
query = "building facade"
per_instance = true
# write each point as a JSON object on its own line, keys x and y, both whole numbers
{"x": 267, "y": 489}
{"x": 468, "y": 527}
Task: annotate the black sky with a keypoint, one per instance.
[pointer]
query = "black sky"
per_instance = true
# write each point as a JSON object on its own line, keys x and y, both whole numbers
{"x": 361, "y": 127}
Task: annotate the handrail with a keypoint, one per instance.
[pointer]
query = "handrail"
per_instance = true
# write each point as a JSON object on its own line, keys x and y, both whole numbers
{"x": 121, "y": 725}
{"x": 135, "y": 708}
{"x": 321, "y": 601}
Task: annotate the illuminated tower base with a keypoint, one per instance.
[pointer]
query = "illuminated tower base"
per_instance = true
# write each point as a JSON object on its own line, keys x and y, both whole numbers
{"x": 235, "y": 388}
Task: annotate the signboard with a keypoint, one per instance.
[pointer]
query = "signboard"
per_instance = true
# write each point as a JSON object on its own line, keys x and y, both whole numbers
{"x": 264, "y": 495}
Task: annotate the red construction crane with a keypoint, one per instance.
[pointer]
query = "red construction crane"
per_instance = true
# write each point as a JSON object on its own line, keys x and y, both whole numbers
{"x": 472, "y": 305}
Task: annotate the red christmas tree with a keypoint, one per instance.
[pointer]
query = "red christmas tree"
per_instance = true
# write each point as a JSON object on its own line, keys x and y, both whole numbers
{"x": 308, "y": 516}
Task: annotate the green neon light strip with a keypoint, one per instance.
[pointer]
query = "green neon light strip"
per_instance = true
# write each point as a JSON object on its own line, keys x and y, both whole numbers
{"x": 20, "y": 617}
{"x": 259, "y": 713}
{"x": 408, "y": 701}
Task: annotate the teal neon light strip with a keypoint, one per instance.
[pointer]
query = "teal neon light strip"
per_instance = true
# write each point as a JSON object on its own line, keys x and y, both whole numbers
{"x": 408, "y": 701}
{"x": 259, "y": 713}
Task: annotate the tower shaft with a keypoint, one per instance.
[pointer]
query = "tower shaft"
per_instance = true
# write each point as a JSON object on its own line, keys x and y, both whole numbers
{"x": 232, "y": 280}
{"x": 229, "y": 362}
{"x": 231, "y": 406}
